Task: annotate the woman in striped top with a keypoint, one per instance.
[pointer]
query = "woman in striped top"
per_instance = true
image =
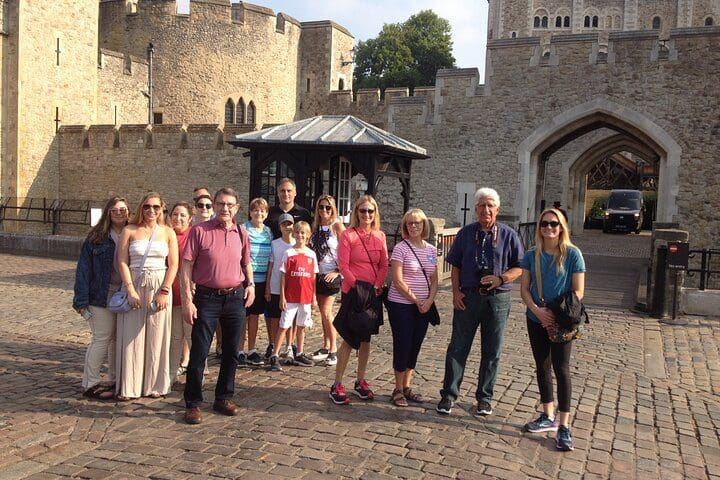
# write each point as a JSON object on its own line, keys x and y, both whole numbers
{"x": 260, "y": 239}
{"x": 414, "y": 284}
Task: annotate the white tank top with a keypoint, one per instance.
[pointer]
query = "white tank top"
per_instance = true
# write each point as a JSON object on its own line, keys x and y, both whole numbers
{"x": 156, "y": 256}
{"x": 326, "y": 250}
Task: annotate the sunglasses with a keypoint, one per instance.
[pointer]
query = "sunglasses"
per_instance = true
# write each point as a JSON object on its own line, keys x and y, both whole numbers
{"x": 367, "y": 211}
{"x": 552, "y": 224}
{"x": 206, "y": 206}
{"x": 147, "y": 207}
{"x": 327, "y": 208}
{"x": 118, "y": 211}
{"x": 413, "y": 224}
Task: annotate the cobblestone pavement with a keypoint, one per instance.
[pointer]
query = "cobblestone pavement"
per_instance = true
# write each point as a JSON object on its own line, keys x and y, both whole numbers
{"x": 646, "y": 398}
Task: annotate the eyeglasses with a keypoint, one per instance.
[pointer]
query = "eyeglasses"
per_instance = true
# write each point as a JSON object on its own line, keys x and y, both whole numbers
{"x": 551, "y": 224}
{"x": 325, "y": 197}
{"x": 147, "y": 207}
{"x": 366, "y": 211}
{"x": 413, "y": 224}
{"x": 119, "y": 211}
{"x": 206, "y": 206}
{"x": 228, "y": 205}
{"x": 327, "y": 208}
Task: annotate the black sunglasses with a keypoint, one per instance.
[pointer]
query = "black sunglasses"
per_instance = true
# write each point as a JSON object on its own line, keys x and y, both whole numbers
{"x": 206, "y": 206}
{"x": 545, "y": 224}
{"x": 366, "y": 210}
{"x": 147, "y": 206}
{"x": 325, "y": 207}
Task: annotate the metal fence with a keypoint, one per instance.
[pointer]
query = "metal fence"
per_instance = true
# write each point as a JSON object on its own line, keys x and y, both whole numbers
{"x": 526, "y": 232}
{"x": 709, "y": 265}
{"x": 55, "y": 212}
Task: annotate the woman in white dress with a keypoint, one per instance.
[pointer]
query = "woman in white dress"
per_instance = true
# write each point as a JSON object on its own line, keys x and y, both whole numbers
{"x": 143, "y": 333}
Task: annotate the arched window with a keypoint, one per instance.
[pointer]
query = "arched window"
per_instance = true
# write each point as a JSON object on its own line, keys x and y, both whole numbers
{"x": 240, "y": 111}
{"x": 558, "y": 22}
{"x": 251, "y": 113}
{"x": 229, "y": 112}
{"x": 608, "y": 22}
{"x": 618, "y": 23}
{"x": 656, "y": 23}
{"x": 566, "y": 22}
{"x": 544, "y": 22}
{"x": 709, "y": 22}
{"x": 280, "y": 23}
{"x": 536, "y": 22}
{"x": 587, "y": 21}
{"x": 595, "y": 21}
{"x": 341, "y": 84}
{"x": 513, "y": 35}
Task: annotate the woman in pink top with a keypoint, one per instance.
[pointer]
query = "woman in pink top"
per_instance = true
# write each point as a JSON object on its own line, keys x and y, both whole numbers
{"x": 363, "y": 264}
{"x": 412, "y": 293}
{"x": 181, "y": 333}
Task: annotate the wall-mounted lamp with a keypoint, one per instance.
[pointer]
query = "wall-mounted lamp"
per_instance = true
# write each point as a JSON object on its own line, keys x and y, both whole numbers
{"x": 344, "y": 62}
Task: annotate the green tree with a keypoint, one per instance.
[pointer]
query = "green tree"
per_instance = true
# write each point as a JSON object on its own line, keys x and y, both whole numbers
{"x": 405, "y": 54}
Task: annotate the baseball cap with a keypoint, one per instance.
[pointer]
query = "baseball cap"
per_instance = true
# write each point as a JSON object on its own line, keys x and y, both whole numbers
{"x": 285, "y": 217}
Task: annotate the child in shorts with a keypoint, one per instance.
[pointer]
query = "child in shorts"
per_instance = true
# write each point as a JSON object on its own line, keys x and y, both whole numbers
{"x": 297, "y": 293}
{"x": 278, "y": 247}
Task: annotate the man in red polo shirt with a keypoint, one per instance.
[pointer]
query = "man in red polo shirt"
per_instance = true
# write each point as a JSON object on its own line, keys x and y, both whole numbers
{"x": 217, "y": 259}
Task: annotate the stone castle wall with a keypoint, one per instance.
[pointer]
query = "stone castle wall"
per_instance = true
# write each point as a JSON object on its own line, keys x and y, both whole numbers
{"x": 122, "y": 79}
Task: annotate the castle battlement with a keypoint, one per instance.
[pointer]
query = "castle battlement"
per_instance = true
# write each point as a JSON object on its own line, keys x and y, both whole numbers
{"x": 127, "y": 64}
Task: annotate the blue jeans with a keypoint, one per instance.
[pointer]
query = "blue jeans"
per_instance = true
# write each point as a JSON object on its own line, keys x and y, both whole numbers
{"x": 490, "y": 313}
{"x": 212, "y": 308}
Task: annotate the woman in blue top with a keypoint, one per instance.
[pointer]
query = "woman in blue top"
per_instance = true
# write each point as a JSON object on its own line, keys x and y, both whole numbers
{"x": 260, "y": 239}
{"x": 562, "y": 269}
{"x": 96, "y": 279}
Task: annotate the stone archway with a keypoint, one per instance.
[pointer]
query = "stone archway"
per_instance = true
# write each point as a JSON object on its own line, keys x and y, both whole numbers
{"x": 597, "y": 113}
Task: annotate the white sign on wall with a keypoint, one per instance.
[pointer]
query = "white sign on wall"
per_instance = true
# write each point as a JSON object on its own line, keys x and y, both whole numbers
{"x": 95, "y": 214}
{"x": 465, "y": 207}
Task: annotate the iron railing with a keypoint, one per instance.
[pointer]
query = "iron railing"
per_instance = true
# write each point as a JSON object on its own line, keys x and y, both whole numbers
{"x": 526, "y": 232}
{"x": 46, "y": 210}
{"x": 709, "y": 265}
{"x": 447, "y": 238}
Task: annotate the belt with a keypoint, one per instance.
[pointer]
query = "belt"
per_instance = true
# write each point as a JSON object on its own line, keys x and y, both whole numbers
{"x": 486, "y": 293}
{"x": 218, "y": 291}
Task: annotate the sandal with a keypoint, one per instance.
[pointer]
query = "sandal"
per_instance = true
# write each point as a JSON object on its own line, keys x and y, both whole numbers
{"x": 100, "y": 392}
{"x": 398, "y": 399}
{"x": 412, "y": 396}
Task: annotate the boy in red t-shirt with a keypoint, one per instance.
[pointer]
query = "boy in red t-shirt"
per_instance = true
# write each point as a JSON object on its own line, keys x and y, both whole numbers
{"x": 297, "y": 294}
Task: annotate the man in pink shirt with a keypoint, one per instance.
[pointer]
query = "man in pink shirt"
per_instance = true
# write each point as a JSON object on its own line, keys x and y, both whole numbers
{"x": 217, "y": 260}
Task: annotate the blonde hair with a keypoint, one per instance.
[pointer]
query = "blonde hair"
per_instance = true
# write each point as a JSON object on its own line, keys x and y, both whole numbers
{"x": 258, "y": 203}
{"x": 138, "y": 218}
{"x": 415, "y": 212}
{"x": 564, "y": 242}
{"x": 333, "y": 214}
{"x": 354, "y": 218}
{"x": 302, "y": 225}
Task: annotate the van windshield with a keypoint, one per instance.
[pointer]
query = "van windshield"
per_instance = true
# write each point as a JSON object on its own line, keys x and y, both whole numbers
{"x": 624, "y": 201}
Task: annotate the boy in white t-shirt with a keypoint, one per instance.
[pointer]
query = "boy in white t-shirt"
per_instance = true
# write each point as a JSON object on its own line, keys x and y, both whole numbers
{"x": 297, "y": 293}
{"x": 278, "y": 248}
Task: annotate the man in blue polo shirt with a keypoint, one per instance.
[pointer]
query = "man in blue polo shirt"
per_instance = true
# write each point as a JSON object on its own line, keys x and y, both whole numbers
{"x": 485, "y": 259}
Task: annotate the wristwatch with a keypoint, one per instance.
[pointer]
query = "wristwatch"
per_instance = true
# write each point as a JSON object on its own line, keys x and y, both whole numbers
{"x": 250, "y": 284}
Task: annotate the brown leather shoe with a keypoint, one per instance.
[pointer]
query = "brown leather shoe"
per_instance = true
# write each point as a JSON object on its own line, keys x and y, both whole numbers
{"x": 226, "y": 407}
{"x": 193, "y": 415}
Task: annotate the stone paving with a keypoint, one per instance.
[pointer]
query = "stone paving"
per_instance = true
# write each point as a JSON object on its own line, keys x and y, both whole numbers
{"x": 645, "y": 394}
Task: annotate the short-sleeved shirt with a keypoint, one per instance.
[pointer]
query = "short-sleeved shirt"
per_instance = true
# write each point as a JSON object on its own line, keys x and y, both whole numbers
{"x": 219, "y": 254}
{"x": 278, "y": 248}
{"x": 554, "y": 283}
{"x": 260, "y": 250}
{"x": 466, "y": 254}
{"x": 412, "y": 271}
{"x": 298, "y": 213}
{"x": 299, "y": 269}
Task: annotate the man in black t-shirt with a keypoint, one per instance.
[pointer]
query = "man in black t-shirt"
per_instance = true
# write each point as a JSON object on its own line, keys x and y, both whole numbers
{"x": 286, "y": 192}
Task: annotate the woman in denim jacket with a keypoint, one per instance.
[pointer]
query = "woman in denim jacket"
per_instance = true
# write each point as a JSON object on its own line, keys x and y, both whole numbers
{"x": 96, "y": 279}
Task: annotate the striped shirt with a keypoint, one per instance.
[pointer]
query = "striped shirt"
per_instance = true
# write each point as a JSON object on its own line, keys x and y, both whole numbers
{"x": 260, "y": 250}
{"x": 412, "y": 271}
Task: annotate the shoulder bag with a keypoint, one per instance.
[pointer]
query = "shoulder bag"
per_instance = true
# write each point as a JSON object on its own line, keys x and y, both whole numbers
{"x": 432, "y": 315}
{"x": 119, "y": 301}
{"x": 567, "y": 308}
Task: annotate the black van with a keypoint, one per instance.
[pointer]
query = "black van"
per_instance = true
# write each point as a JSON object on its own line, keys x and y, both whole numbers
{"x": 624, "y": 211}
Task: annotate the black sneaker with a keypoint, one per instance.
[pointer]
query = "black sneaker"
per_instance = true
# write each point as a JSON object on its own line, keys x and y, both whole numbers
{"x": 444, "y": 407}
{"x": 362, "y": 390}
{"x": 338, "y": 396}
{"x": 275, "y": 364}
{"x": 294, "y": 351}
{"x": 255, "y": 359}
{"x": 320, "y": 355}
{"x": 303, "y": 360}
{"x": 269, "y": 351}
{"x": 483, "y": 408}
{"x": 241, "y": 360}
{"x": 331, "y": 359}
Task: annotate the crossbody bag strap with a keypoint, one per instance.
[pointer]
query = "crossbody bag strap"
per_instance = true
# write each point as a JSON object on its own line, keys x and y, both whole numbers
{"x": 366, "y": 251}
{"x": 421, "y": 265}
{"x": 147, "y": 251}
{"x": 538, "y": 275}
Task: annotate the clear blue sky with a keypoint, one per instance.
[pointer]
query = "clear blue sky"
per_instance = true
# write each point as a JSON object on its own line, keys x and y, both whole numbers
{"x": 365, "y": 18}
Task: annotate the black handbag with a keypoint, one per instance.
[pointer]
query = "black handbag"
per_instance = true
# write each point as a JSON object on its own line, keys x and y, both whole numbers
{"x": 432, "y": 315}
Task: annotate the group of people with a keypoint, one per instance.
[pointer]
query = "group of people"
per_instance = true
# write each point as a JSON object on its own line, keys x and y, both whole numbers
{"x": 205, "y": 272}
